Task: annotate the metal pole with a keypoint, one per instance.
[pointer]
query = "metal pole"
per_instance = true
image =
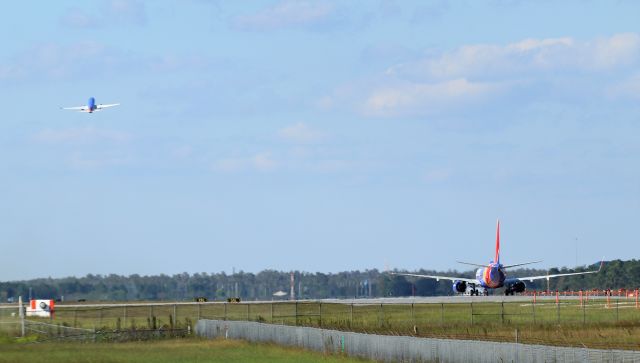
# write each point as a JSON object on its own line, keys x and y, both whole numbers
{"x": 584, "y": 315}
{"x": 248, "y": 312}
{"x": 296, "y": 312}
{"x": 617, "y": 305}
{"x": 124, "y": 323}
{"x": 320, "y": 314}
{"x": 271, "y": 313}
{"x": 225, "y": 311}
{"x": 502, "y": 311}
{"x": 442, "y": 313}
{"x": 175, "y": 315}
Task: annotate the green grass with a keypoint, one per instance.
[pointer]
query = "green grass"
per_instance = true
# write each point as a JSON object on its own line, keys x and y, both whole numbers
{"x": 183, "y": 350}
{"x": 594, "y": 325}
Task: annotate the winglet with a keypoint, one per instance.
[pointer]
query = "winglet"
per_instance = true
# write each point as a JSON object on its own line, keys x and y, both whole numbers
{"x": 497, "y": 257}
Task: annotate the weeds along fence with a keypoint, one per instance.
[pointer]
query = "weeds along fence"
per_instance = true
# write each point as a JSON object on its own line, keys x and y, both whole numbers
{"x": 48, "y": 331}
{"x": 401, "y": 317}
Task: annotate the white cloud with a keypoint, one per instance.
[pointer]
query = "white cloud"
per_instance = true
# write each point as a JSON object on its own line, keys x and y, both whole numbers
{"x": 285, "y": 14}
{"x": 52, "y": 61}
{"x": 86, "y": 135}
{"x": 523, "y": 57}
{"x": 260, "y": 162}
{"x": 301, "y": 133}
{"x": 406, "y": 98}
{"x": 111, "y": 13}
{"x": 90, "y": 59}
{"x": 474, "y": 74}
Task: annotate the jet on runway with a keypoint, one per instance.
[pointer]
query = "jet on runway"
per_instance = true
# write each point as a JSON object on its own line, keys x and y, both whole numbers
{"x": 90, "y": 106}
{"x": 493, "y": 276}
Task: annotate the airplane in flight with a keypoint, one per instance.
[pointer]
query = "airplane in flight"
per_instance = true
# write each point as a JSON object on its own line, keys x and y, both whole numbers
{"x": 91, "y": 106}
{"x": 493, "y": 276}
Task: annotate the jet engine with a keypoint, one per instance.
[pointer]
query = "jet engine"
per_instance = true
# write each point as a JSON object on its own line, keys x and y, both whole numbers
{"x": 459, "y": 286}
{"x": 518, "y": 286}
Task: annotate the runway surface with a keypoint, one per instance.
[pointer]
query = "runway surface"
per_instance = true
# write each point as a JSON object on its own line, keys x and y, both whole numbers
{"x": 361, "y": 301}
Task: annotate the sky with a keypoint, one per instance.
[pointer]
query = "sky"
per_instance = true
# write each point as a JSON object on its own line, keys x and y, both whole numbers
{"x": 320, "y": 136}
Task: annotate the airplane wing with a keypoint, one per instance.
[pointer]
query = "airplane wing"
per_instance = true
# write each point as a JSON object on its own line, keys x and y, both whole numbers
{"x": 547, "y": 277}
{"x": 78, "y": 108}
{"x": 438, "y": 278}
{"x": 99, "y": 107}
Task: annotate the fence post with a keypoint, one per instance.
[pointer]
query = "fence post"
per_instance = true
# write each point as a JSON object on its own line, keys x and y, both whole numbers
{"x": 175, "y": 315}
{"x": 380, "y": 316}
{"x": 442, "y": 313}
{"x": 124, "y": 321}
{"x": 272, "y": 313}
{"x": 533, "y": 307}
{"x": 472, "y": 313}
{"x": 320, "y": 314}
{"x": 248, "y": 312}
{"x": 617, "y": 305}
{"x": 502, "y": 311}
{"x": 21, "y": 314}
{"x": 75, "y": 317}
{"x": 413, "y": 316}
{"x": 225, "y": 311}
{"x": 584, "y": 315}
{"x": 557, "y": 308}
{"x": 351, "y": 316}
{"x": 100, "y": 318}
{"x": 199, "y": 311}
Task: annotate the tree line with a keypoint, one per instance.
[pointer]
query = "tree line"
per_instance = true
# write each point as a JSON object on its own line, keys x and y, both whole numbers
{"x": 262, "y": 285}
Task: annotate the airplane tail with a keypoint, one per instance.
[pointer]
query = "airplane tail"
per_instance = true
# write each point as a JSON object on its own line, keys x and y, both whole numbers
{"x": 497, "y": 257}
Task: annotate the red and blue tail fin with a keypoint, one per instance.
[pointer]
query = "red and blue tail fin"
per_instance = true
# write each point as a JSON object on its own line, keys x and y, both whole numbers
{"x": 497, "y": 258}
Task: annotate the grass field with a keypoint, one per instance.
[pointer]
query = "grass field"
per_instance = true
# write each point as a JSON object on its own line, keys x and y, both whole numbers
{"x": 182, "y": 350}
{"x": 595, "y": 324}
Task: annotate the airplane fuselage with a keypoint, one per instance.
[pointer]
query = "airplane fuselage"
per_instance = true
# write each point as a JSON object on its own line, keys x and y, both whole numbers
{"x": 91, "y": 105}
{"x": 491, "y": 276}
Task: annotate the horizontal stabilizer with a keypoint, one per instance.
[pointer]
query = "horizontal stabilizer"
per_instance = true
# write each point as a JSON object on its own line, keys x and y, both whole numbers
{"x": 472, "y": 264}
{"x": 521, "y": 264}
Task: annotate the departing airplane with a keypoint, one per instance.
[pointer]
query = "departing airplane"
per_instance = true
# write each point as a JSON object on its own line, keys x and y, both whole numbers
{"x": 90, "y": 107}
{"x": 493, "y": 276}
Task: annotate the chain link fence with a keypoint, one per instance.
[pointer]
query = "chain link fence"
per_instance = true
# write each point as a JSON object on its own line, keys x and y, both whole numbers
{"x": 404, "y": 349}
{"x": 459, "y": 320}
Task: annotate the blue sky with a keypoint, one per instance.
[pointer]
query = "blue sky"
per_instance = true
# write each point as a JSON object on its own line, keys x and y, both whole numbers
{"x": 316, "y": 136}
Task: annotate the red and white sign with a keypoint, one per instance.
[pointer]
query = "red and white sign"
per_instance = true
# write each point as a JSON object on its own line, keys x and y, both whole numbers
{"x": 41, "y": 308}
